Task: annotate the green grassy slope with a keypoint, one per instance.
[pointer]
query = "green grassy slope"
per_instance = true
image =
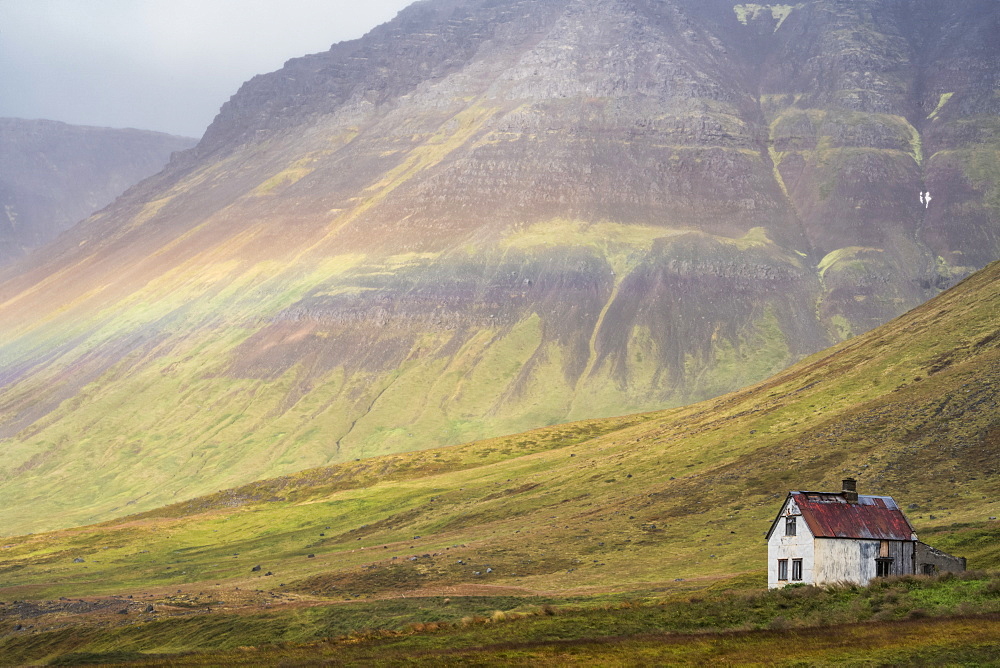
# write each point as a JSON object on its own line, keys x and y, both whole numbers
{"x": 649, "y": 506}
{"x": 910, "y": 409}
{"x": 179, "y": 393}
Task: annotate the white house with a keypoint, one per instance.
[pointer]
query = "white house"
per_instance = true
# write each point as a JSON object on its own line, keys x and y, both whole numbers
{"x": 826, "y": 537}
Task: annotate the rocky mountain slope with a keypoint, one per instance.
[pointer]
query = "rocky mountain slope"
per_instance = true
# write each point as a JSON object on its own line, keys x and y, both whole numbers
{"x": 53, "y": 175}
{"x": 487, "y": 216}
{"x": 911, "y": 409}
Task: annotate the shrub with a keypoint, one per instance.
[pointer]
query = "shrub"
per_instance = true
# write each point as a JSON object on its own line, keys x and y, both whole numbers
{"x": 801, "y": 591}
{"x": 966, "y": 608}
{"x": 972, "y": 575}
{"x": 844, "y": 586}
{"x": 794, "y": 585}
{"x": 890, "y": 597}
{"x": 780, "y": 623}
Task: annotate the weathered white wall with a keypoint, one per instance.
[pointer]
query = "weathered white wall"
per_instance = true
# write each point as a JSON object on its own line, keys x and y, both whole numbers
{"x": 847, "y": 560}
{"x": 780, "y": 546}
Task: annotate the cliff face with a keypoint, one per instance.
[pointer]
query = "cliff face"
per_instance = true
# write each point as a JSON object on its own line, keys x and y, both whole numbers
{"x": 53, "y": 175}
{"x": 486, "y": 216}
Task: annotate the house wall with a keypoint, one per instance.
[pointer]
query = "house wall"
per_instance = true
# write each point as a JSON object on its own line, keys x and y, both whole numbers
{"x": 851, "y": 560}
{"x": 938, "y": 561}
{"x": 845, "y": 560}
{"x": 902, "y": 551}
{"x": 780, "y": 546}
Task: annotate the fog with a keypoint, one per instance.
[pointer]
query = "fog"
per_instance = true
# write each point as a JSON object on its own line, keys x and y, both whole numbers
{"x": 164, "y": 65}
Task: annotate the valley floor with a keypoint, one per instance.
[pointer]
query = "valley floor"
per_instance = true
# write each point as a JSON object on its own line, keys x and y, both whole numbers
{"x": 971, "y": 641}
{"x": 953, "y": 620}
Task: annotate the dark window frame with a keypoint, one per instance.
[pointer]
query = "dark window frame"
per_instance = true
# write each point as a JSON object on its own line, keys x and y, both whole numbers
{"x": 782, "y": 569}
{"x": 796, "y": 570}
{"x": 790, "y": 526}
{"x": 883, "y": 567}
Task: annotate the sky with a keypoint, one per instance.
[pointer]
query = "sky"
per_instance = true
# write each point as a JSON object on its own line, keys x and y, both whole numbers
{"x": 165, "y": 65}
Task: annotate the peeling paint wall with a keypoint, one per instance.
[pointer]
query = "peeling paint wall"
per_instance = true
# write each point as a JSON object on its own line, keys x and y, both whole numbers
{"x": 846, "y": 560}
{"x": 781, "y": 546}
{"x": 852, "y": 560}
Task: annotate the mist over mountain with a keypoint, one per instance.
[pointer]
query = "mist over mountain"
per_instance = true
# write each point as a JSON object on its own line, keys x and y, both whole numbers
{"x": 486, "y": 216}
{"x": 53, "y": 175}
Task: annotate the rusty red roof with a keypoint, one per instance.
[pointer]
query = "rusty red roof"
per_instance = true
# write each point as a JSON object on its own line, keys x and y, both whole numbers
{"x": 872, "y": 517}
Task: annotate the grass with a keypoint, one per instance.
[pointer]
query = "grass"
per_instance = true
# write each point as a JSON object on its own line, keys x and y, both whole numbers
{"x": 943, "y": 100}
{"x": 618, "y": 504}
{"x": 897, "y": 617}
{"x": 658, "y": 510}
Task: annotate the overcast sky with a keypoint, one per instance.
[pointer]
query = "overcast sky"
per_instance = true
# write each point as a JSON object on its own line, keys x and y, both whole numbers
{"x": 164, "y": 65}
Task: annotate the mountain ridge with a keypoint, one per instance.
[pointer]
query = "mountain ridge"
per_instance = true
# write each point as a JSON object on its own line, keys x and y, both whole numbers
{"x": 53, "y": 175}
{"x": 608, "y": 207}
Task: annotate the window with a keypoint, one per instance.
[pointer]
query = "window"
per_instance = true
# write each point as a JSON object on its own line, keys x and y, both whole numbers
{"x": 789, "y": 526}
{"x": 782, "y": 569}
{"x": 883, "y": 567}
{"x": 796, "y": 569}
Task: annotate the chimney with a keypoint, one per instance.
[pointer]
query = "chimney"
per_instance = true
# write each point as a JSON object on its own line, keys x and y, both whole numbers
{"x": 850, "y": 492}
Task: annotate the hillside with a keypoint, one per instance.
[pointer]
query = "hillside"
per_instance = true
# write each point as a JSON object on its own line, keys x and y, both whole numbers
{"x": 53, "y": 175}
{"x": 910, "y": 409}
{"x": 485, "y": 217}
{"x": 633, "y": 527}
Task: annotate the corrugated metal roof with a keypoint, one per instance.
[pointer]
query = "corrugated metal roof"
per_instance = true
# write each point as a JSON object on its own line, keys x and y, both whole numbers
{"x": 872, "y": 517}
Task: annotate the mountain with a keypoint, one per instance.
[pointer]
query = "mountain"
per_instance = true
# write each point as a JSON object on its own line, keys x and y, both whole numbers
{"x": 628, "y": 504}
{"x": 53, "y": 175}
{"x": 488, "y": 216}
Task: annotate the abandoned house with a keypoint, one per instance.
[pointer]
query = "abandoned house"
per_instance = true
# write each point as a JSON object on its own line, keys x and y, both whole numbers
{"x": 826, "y": 537}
